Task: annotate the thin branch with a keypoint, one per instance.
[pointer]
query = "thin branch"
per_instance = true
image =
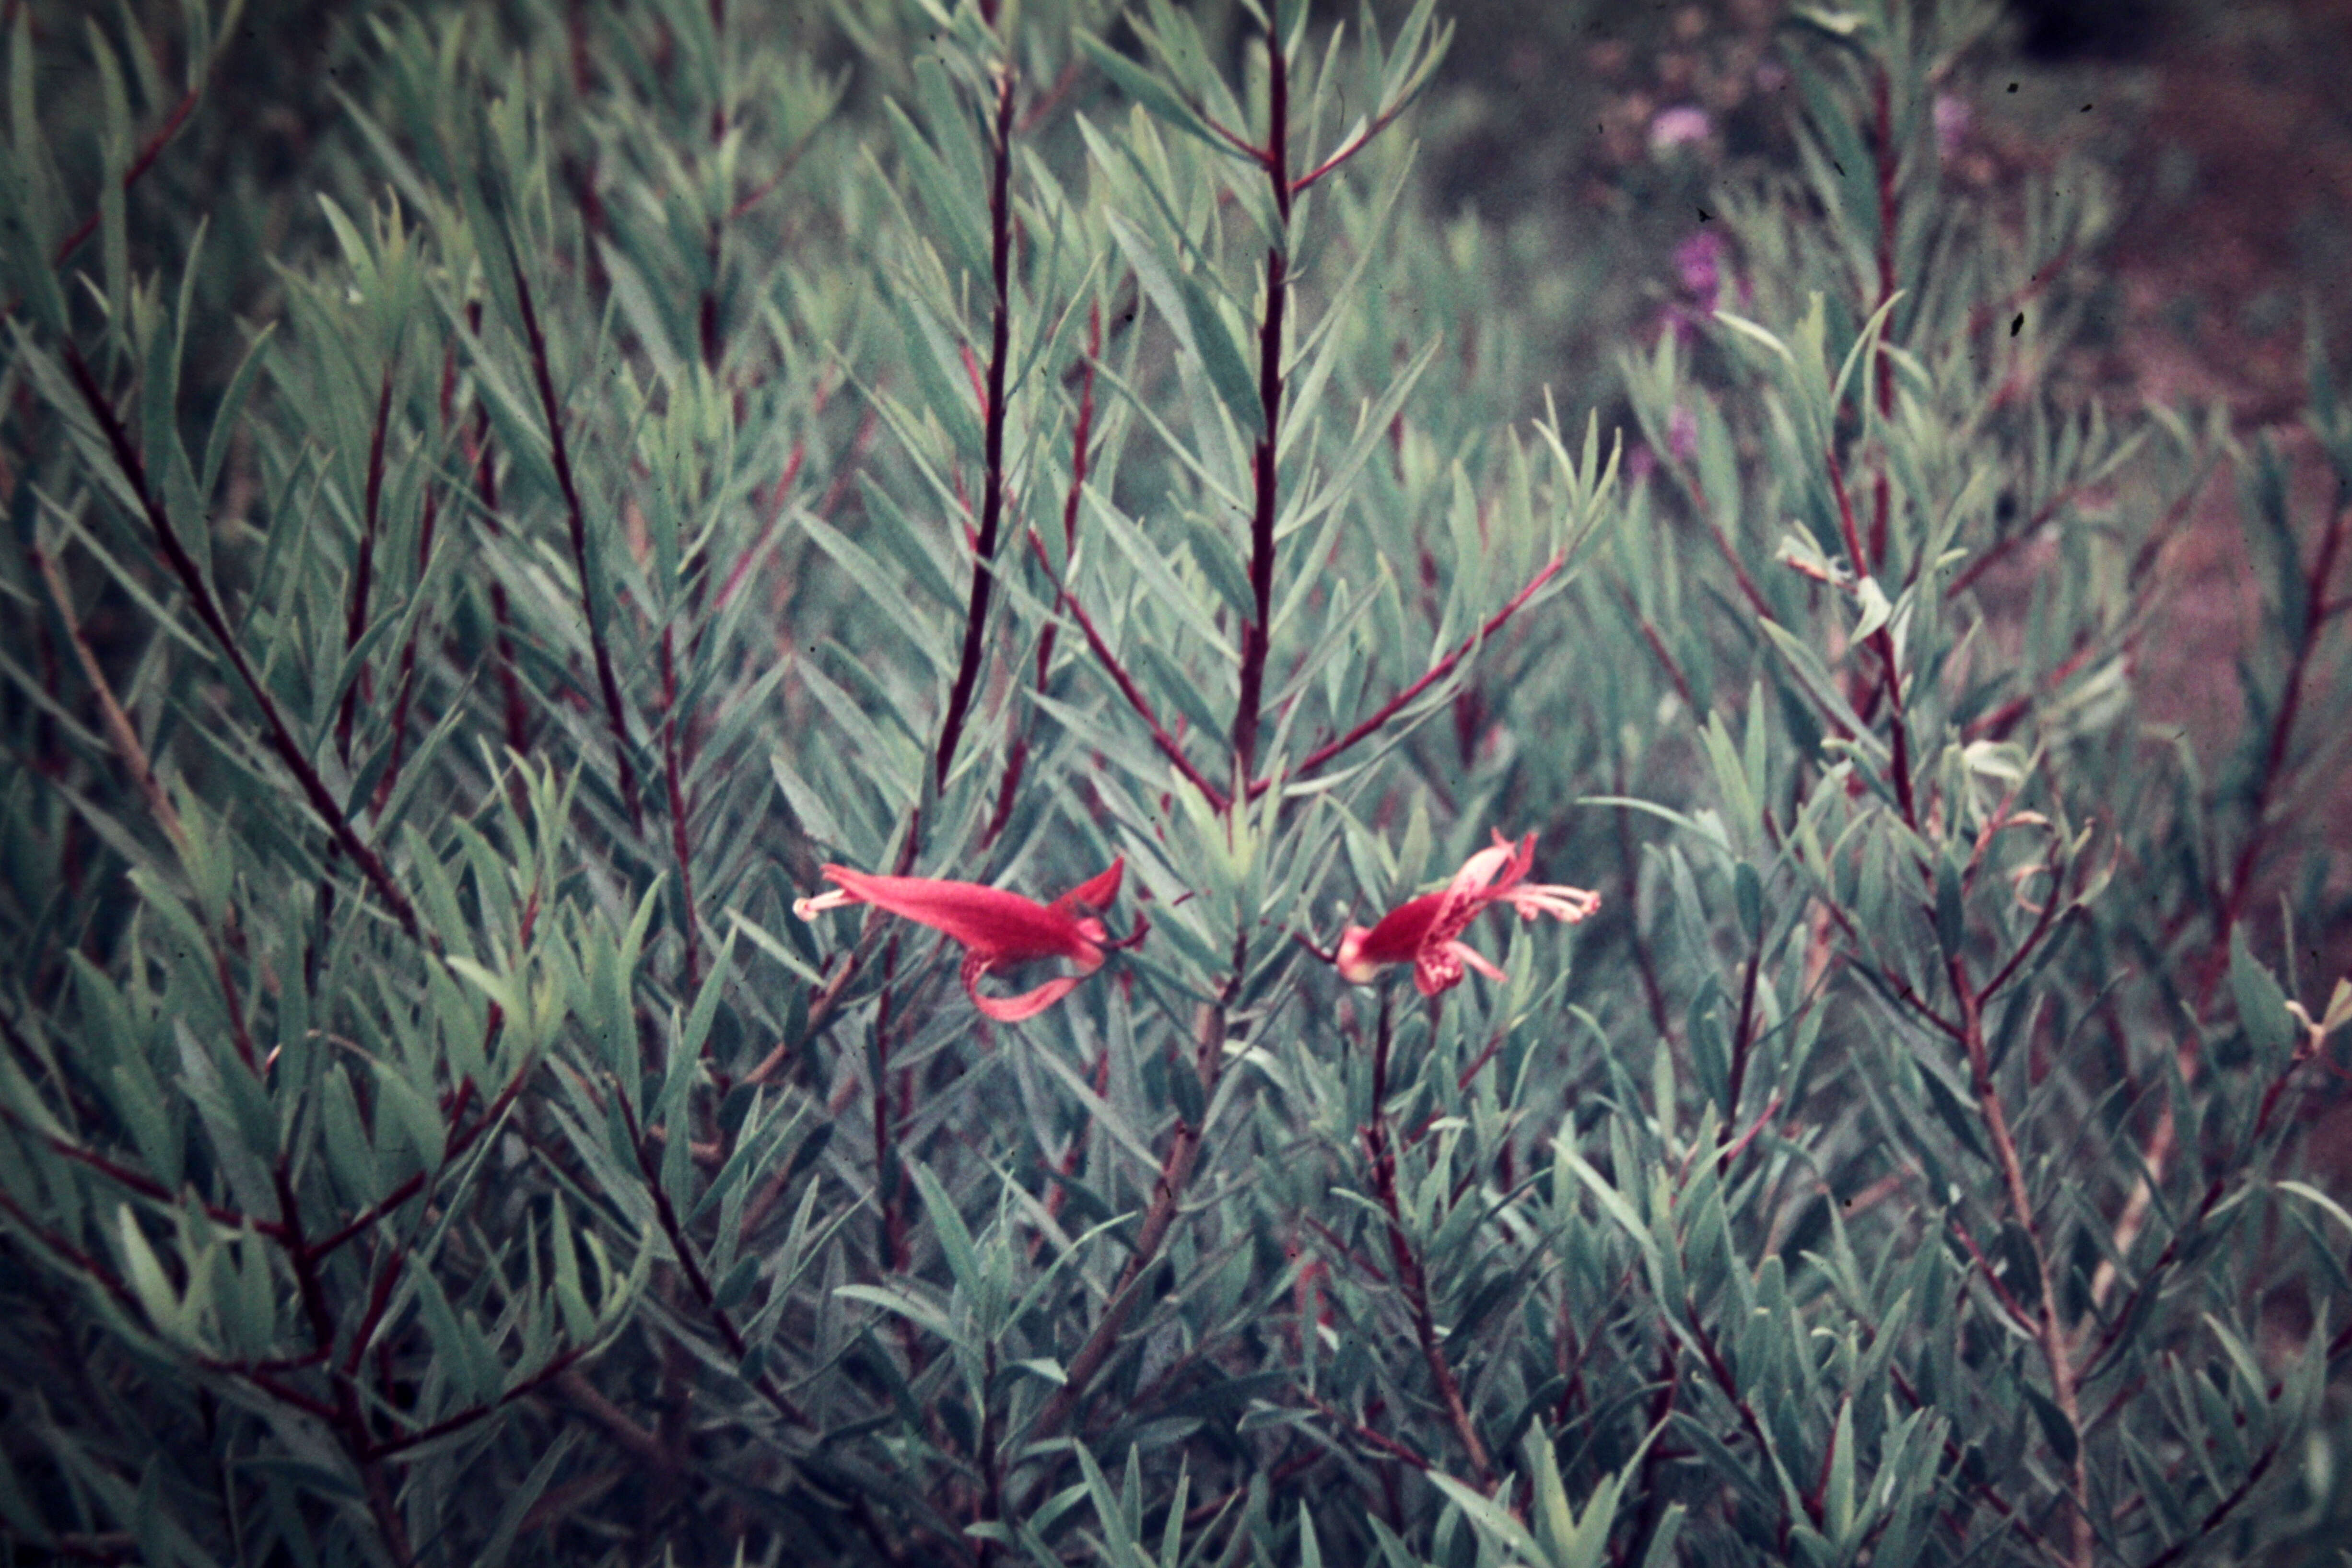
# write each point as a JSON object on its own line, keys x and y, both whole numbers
{"x": 1175, "y": 1174}
{"x": 674, "y": 787}
{"x": 364, "y": 567}
{"x": 991, "y": 503}
{"x": 1257, "y": 632}
{"x": 1411, "y": 1277}
{"x": 116, "y": 722}
{"x": 428, "y": 518}
{"x": 483, "y": 460}
{"x": 1957, "y": 1461}
{"x": 350, "y": 1424}
{"x": 1882, "y": 644}
{"x": 1990, "y": 312}
{"x": 132, "y": 175}
{"x": 1657, "y": 644}
{"x": 1350, "y": 147}
{"x": 1081, "y": 435}
{"x": 460, "y": 1140}
{"x": 2034, "y": 940}
{"x": 2052, "y": 1332}
{"x": 1695, "y": 1335}
{"x": 1743, "y": 1039}
{"x": 696, "y": 1280}
{"x": 2266, "y": 781}
{"x": 2217, "y": 1513}
{"x": 556, "y": 1367}
{"x": 208, "y": 610}
{"x": 1169, "y": 745}
{"x": 1435, "y": 673}
{"x": 576, "y": 516}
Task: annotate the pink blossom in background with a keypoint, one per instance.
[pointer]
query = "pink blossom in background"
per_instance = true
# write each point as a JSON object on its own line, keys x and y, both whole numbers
{"x": 1698, "y": 266}
{"x": 1682, "y": 433}
{"x": 1953, "y": 117}
{"x": 1679, "y": 127}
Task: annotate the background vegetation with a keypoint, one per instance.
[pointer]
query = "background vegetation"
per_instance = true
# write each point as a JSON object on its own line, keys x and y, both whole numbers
{"x": 503, "y": 495}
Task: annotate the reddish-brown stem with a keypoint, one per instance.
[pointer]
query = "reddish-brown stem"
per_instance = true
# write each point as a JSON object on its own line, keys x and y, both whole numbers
{"x": 2050, "y": 1330}
{"x": 1882, "y": 644}
{"x": 2272, "y": 1094}
{"x": 2221, "y": 1510}
{"x": 215, "y": 622}
{"x": 1657, "y": 645}
{"x": 2001, "y": 548}
{"x": 1896, "y": 985}
{"x": 349, "y": 1422}
{"x": 1175, "y": 1176}
{"x": 1717, "y": 1368}
{"x": 2033, "y": 939}
{"x": 1890, "y": 220}
{"x": 2231, "y": 903}
{"x": 1348, "y": 148}
{"x": 1743, "y": 1040}
{"x": 1993, "y": 1281}
{"x": 461, "y": 1140}
{"x": 239, "y": 1036}
{"x": 1282, "y": 1475}
{"x": 1653, "y": 1496}
{"x": 145, "y": 1186}
{"x": 2001, "y": 721}
{"x": 147, "y": 152}
{"x": 81, "y": 1262}
{"x": 363, "y": 566}
{"x": 1723, "y": 545}
{"x": 1985, "y": 1490}
{"x": 674, "y": 785}
{"x": 426, "y": 523}
{"x": 576, "y": 517}
{"x": 1169, "y": 747}
{"x": 713, "y": 345}
{"x": 991, "y": 503}
{"x": 483, "y": 461}
{"x": 1380, "y": 1442}
{"x": 557, "y": 1365}
{"x": 1644, "y": 961}
{"x": 1411, "y": 1279}
{"x": 2322, "y": 571}
{"x": 402, "y": 702}
{"x": 690, "y": 1269}
{"x": 116, "y": 722}
{"x": 1435, "y": 673}
{"x": 1017, "y": 752}
{"x": 1257, "y": 633}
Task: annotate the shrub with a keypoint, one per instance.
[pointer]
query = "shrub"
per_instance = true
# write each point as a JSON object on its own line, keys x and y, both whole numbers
{"x": 772, "y": 838}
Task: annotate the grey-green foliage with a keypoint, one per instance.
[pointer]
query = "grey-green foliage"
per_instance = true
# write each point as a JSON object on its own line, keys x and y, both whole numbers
{"x": 429, "y": 1134}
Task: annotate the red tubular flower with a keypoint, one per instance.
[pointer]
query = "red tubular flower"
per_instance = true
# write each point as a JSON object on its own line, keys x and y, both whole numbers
{"x": 1426, "y": 931}
{"x": 996, "y": 928}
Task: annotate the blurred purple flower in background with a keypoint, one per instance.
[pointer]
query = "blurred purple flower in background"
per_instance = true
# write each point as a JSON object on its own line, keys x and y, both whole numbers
{"x": 1953, "y": 117}
{"x": 1698, "y": 268}
{"x": 1679, "y": 127}
{"x": 1682, "y": 433}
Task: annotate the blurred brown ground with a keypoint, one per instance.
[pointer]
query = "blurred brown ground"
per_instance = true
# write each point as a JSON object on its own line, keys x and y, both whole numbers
{"x": 2237, "y": 221}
